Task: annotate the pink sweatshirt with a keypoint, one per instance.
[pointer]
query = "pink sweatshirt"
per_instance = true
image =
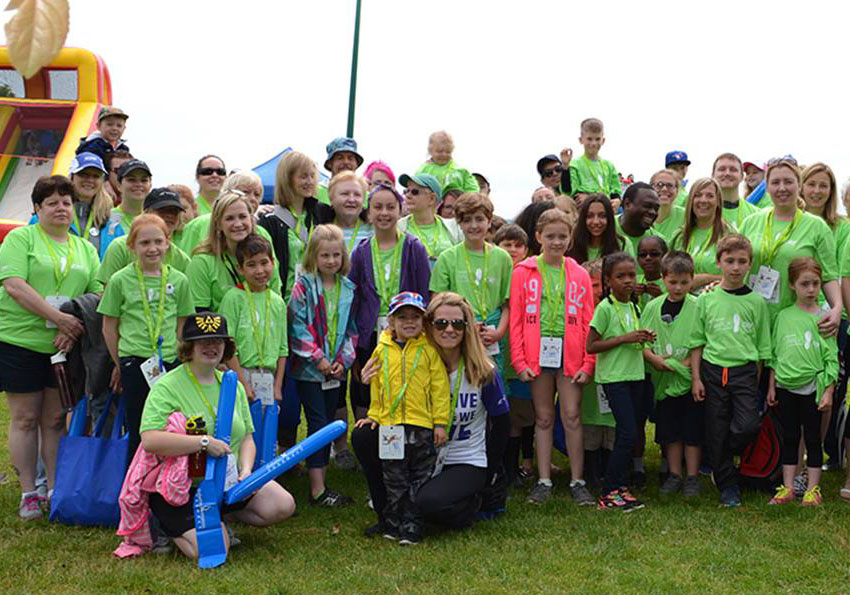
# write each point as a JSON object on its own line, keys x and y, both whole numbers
{"x": 526, "y": 301}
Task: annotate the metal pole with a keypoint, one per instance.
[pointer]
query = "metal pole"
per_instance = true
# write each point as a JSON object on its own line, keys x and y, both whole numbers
{"x": 353, "y": 89}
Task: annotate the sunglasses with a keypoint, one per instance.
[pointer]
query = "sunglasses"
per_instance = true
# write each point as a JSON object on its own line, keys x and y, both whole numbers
{"x": 442, "y": 324}
{"x": 548, "y": 173}
{"x": 413, "y": 191}
{"x": 651, "y": 254}
{"x": 208, "y": 171}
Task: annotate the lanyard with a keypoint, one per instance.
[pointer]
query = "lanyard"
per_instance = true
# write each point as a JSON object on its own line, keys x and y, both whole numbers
{"x": 332, "y": 314}
{"x": 551, "y": 291}
{"x": 201, "y": 390}
{"x": 417, "y": 231}
{"x": 84, "y": 233}
{"x": 455, "y": 394}
{"x": 231, "y": 270}
{"x": 770, "y": 245}
{"x": 154, "y": 329}
{"x": 600, "y": 177}
{"x": 59, "y": 274}
{"x": 479, "y": 286}
{"x": 255, "y": 323}
{"x": 353, "y": 237}
{"x": 299, "y": 219}
{"x": 386, "y": 282}
{"x": 621, "y": 315}
{"x": 403, "y": 390}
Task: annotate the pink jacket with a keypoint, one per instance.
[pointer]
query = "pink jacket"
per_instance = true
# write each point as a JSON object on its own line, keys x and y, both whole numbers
{"x": 149, "y": 473}
{"x": 526, "y": 298}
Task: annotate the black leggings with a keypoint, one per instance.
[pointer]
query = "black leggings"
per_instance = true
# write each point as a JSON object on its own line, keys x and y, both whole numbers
{"x": 451, "y": 498}
{"x": 796, "y": 410}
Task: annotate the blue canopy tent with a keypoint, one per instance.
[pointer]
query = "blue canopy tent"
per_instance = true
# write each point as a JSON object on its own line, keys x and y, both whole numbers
{"x": 267, "y": 172}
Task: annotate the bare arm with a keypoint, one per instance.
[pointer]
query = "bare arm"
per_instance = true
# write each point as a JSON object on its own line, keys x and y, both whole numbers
{"x": 247, "y": 454}
{"x": 29, "y": 299}
{"x": 169, "y": 444}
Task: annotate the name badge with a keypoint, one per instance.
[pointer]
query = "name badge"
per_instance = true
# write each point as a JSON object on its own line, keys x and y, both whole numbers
{"x": 298, "y": 269}
{"x": 262, "y": 383}
{"x": 331, "y": 384}
{"x": 550, "y": 352}
{"x": 391, "y": 443}
{"x": 232, "y": 477}
{"x": 493, "y": 349}
{"x": 55, "y": 301}
{"x": 602, "y": 400}
{"x": 151, "y": 370}
{"x": 766, "y": 284}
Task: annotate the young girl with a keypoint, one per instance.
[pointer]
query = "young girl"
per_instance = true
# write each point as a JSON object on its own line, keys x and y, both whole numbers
{"x": 347, "y": 192}
{"x": 390, "y": 262}
{"x": 441, "y": 165}
{"x": 322, "y": 334}
{"x": 144, "y": 307}
{"x": 551, "y": 305}
{"x": 802, "y": 379}
{"x": 616, "y": 336}
{"x": 410, "y": 403}
{"x": 595, "y": 235}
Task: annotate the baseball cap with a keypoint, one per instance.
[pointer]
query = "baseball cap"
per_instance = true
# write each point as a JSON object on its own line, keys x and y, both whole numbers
{"x": 205, "y": 325}
{"x": 399, "y": 301}
{"x": 676, "y": 157}
{"x": 544, "y": 160}
{"x": 86, "y": 161}
{"x": 342, "y": 144}
{"x": 132, "y": 165}
{"x": 751, "y": 164}
{"x": 425, "y": 180}
{"x": 162, "y": 198}
{"x": 111, "y": 110}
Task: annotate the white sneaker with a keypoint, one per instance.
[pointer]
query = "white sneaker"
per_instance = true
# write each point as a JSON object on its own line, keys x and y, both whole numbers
{"x": 30, "y": 508}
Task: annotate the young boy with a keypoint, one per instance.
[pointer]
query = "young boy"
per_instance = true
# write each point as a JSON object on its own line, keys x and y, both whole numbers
{"x": 589, "y": 173}
{"x": 731, "y": 335}
{"x": 512, "y": 239}
{"x": 257, "y": 317}
{"x": 650, "y": 251}
{"x": 678, "y": 418}
{"x": 111, "y": 123}
{"x": 442, "y": 166}
{"x": 479, "y": 272}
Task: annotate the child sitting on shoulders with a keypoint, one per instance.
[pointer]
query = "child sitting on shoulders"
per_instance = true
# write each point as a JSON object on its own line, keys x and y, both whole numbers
{"x": 111, "y": 123}
{"x": 440, "y": 165}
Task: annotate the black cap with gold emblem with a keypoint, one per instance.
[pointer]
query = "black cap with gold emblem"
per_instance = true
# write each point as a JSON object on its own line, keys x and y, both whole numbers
{"x": 205, "y": 325}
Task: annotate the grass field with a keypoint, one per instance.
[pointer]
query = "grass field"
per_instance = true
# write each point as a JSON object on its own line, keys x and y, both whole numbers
{"x": 668, "y": 547}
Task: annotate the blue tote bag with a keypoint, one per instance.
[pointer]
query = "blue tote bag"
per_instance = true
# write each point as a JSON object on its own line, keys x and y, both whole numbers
{"x": 89, "y": 474}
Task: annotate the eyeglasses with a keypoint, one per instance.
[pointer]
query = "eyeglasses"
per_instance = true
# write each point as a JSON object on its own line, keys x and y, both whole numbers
{"x": 652, "y": 254}
{"x": 208, "y": 171}
{"x": 664, "y": 186}
{"x": 442, "y": 324}
{"x": 548, "y": 173}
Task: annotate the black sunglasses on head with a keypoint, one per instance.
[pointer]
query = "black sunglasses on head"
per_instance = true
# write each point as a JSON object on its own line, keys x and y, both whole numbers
{"x": 208, "y": 171}
{"x": 442, "y": 324}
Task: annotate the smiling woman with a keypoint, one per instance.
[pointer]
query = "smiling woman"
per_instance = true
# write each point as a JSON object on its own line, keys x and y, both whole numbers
{"x": 209, "y": 173}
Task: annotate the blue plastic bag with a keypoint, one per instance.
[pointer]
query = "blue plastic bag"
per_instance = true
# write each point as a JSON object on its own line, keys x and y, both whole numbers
{"x": 89, "y": 474}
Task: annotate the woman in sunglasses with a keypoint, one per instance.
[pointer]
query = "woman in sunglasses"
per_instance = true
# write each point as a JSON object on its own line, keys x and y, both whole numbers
{"x": 466, "y": 481}
{"x": 209, "y": 173}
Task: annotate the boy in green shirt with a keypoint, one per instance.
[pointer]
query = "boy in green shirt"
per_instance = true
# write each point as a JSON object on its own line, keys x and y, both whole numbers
{"x": 731, "y": 335}
{"x": 678, "y": 418}
{"x": 257, "y": 315}
{"x": 589, "y": 173}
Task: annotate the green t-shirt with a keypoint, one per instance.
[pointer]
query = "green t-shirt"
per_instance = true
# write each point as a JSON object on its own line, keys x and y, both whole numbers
{"x": 322, "y": 195}
{"x": 211, "y": 277}
{"x": 841, "y": 232}
{"x": 204, "y": 208}
{"x": 487, "y": 294}
{"x": 810, "y": 237}
{"x": 451, "y": 171}
{"x": 632, "y": 241}
{"x": 385, "y": 263}
{"x": 175, "y": 391}
{"x": 434, "y": 236}
{"x": 590, "y": 410}
{"x": 673, "y": 223}
{"x": 236, "y": 309}
{"x": 800, "y": 353}
{"x": 553, "y": 300}
{"x": 122, "y": 299}
{"x": 645, "y": 298}
{"x": 24, "y": 253}
{"x": 624, "y": 362}
{"x": 704, "y": 255}
{"x": 126, "y": 220}
{"x": 670, "y": 343}
{"x": 681, "y": 199}
{"x": 594, "y": 176}
{"x": 194, "y": 232}
{"x": 733, "y": 329}
{"x": 118, "y": 255}
{"x": 734, "y": 217}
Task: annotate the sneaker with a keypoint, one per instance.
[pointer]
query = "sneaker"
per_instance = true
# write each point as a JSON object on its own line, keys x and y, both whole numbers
{"x": 540, "y": 493}
{"x": 671, "y": 485}
{"x": 631, "y": 503}
{"x": 693, "y": 486}
{"x": 41, "y": 490}
{"x": 730, "y": 497}
{"x": 812, "y": 497}
{"x": 410, "y": 539}
{"x": 783, "y": 495}
{"x": 581, "y": 494}
{"x": 390, "y": 533}
{"x": 801, "y": 482}
{"x": 522, "y": 478}
{"x": 833, "y": 464}
{"x": 30, "y": 508}
{"x": 345, "y": 460}
{"x": 331, "y": 499}
{"x": 611, "y": 501}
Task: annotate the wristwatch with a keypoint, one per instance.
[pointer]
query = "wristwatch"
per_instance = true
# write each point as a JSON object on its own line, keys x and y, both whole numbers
{"x": 205, "y": 441}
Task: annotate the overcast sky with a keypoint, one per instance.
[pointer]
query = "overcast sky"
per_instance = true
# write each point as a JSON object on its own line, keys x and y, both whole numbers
{"x": 510, "y": 81}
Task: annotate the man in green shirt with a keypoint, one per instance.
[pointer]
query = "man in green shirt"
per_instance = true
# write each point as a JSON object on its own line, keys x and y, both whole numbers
{"x": 640, "y": 208}
{"x": 728, "y": 173}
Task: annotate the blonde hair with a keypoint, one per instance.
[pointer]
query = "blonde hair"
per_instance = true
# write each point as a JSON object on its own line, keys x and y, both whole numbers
{"x": 479, "y": 368}
{"x": 287, "y": 168}
{"x": 550, "y": 216}
{"x": 243, "y": 177}
{"x": 101, "y": 204}
{"x": 327, "y": 232}
{"x": 215, "y": 243}
{"x": 441, "y": 136}
{"x": 670, "y": 173}
{"x": 348, "y": 176}
{"x": 141, "y": 221}
{"x": 830, "y": 209}
{"x": 719, "y": 227}
{"x": 592, "y": 125}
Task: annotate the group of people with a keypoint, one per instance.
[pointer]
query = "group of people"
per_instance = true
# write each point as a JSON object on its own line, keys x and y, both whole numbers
{"x": 452, "y": 335}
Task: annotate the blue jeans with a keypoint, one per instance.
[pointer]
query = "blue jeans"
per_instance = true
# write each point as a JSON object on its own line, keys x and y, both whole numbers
{"x": 319, "y": 410}
{"x": 624, "y": 399}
